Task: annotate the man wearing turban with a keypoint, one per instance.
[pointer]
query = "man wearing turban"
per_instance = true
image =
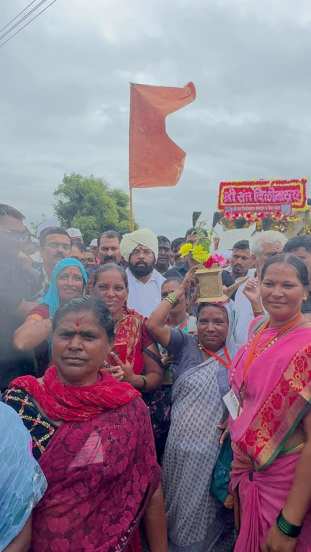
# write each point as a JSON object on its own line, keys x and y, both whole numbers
{"x": 140, "y": 250}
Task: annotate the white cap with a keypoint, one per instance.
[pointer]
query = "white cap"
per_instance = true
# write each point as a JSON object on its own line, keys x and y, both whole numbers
{"x": 48, "y": 223}
{"x": 94, "y": 243}
{"x": 74, "y": 233}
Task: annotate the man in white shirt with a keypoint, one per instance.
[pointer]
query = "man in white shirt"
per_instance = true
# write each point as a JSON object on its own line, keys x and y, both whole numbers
{"x": 109, "y": 247}
{"x": 140, "y": 250}
{"x": 241, "y": 259}
{"x": 243, "y": 315}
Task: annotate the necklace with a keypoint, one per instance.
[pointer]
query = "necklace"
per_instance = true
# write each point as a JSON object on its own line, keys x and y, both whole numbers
{"x": 226, "y": 363}
{"x": 254, "y": 350}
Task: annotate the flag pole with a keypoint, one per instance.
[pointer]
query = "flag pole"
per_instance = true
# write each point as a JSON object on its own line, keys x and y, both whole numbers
{"x": 131, "y": 211}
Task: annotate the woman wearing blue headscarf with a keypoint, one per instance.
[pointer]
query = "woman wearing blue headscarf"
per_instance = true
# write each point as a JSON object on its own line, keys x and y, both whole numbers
{"x": 68, "y": 281}
{"x": 22, "y": 483}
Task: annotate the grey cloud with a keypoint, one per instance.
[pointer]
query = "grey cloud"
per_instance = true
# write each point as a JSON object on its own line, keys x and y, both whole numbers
{"x": 65, "y": 97}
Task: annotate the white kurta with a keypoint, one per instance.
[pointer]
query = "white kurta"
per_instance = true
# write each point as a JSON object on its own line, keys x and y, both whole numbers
{"x": 144, "y": 297}
{"x": 243, "y": 316}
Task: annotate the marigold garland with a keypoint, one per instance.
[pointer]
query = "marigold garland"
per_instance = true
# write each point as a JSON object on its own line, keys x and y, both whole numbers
{"x": 199, "y": 254}
{"x": 185, "y": 249}
{"x": 200, "y": 250}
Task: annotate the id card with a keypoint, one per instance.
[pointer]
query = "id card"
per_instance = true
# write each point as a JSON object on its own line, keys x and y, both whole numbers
{"x": 232, "y": 403}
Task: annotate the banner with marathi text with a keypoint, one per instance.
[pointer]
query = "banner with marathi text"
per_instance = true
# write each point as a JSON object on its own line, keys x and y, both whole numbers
{"x": 263, "y": 195}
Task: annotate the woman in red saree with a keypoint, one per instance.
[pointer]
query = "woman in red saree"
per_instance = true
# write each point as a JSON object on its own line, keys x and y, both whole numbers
{"x": 135, "y": 357}
{"x": 132, "y": 344}
{"x": 93, "y": 439}
{"x": 271, "y": 411}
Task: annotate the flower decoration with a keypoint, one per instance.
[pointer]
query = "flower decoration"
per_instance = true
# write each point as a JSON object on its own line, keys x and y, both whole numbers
{"x": 200, "y": 249}
{"x": 199, "y": 253}
{"x": 268, "y": 220}
{"x": 215, "y": 260}
{"x": 219, "y": 260}
{"x": 185, "y": 249}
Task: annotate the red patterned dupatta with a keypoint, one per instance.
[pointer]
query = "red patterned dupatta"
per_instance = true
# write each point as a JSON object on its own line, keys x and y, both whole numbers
{"x": 277, "y": 396}
{"x": 101, "y": 474}
{"x": 100, "y": 465}
{"x": 68, "y": 403}
{"x": 131, "y": 338}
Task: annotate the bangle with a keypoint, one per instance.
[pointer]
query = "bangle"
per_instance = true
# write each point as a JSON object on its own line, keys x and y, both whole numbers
{"x": 171, "y": 298}
{"x": 287, "y": 528}
{"x": 144, "y": 381}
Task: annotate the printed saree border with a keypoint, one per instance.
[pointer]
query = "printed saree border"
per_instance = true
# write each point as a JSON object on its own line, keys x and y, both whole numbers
{"x": 281, "y": 413}
{"x": 128, "y": 332}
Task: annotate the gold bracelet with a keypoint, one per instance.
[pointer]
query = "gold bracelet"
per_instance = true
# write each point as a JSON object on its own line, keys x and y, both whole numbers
{"x": 171, "y": 298}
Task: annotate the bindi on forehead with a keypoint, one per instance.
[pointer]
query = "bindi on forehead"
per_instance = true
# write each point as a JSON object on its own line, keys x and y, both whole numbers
{"x": 80, "y": 319}
{"x": 77, "y": 320}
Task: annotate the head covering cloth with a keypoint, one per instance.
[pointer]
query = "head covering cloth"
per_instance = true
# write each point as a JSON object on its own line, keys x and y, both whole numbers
{"x": 144, "y": 237}
{"x": 51, "y": 298}
{"x": 228, "y": 307}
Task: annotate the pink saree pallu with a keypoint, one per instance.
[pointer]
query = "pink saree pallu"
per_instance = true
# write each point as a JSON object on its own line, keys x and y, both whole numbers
{"x": 276, "y": 397}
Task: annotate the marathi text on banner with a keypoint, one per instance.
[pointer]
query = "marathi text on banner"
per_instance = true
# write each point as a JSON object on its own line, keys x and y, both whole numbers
{"x": 255, "y": 194}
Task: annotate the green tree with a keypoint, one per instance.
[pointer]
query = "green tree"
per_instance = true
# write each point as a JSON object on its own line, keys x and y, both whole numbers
{"x": 89, "y": 204}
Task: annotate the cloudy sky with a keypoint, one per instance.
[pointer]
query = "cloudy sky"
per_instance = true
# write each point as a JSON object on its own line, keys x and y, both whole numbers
{"x": 64, "y": 97}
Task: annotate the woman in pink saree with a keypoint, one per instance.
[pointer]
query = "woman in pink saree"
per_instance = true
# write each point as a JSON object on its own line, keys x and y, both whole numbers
{"x": 271, "y": 428}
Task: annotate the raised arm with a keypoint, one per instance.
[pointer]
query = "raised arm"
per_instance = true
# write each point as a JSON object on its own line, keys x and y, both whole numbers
{"x": 252, "y": 292}
{"x": 32, "y": 332}
{"x": 156, "y": 322}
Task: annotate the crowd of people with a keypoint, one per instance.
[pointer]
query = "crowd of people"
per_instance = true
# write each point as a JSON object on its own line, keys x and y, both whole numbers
{"x": 134, "y": 418}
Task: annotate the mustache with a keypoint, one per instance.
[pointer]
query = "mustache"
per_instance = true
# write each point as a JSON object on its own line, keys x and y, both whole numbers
{"x": 141, "y": 263}
{"x": 141, "y": 268}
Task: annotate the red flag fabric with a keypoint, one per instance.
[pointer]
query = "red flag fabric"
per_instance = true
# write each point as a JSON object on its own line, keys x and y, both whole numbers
{"x": 155, "y": 160}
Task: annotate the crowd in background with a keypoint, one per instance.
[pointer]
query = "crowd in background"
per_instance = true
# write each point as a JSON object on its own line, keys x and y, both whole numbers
{"x": 134, "y": 418}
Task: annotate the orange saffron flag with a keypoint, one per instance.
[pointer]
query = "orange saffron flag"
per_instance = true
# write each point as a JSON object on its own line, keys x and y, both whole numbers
{"x": 154, "y": 159}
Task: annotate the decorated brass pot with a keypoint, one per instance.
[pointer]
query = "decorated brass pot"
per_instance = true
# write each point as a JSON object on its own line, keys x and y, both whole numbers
{"x": 210, "y": 285}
